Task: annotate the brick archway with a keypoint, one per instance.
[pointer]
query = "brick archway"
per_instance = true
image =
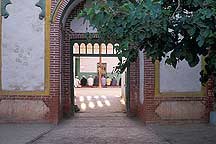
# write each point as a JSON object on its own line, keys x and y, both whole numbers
{"x": 65, "y": 11}
{"x": 60, "y": 71}
{"x": 59, "y": 55}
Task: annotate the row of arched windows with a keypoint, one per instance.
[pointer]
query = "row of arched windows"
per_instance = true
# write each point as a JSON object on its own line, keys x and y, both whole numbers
{"x": 90, "y": 48}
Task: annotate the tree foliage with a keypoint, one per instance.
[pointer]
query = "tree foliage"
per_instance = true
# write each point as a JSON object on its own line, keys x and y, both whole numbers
{"x": 186, "y": 29}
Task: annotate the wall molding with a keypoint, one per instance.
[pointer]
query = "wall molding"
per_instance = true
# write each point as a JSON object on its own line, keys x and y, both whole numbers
{"x": 46, "y": 91}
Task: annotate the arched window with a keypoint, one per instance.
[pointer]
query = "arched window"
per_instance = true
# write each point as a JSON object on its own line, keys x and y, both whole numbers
{"x": 109, "y": 48}
{"x": 76, "y": 48}
{"x": 103, "y": 48}
{"x": 96, "y": 48}
{"x": 89, "y": 48}
{"x": 82, "y": 48}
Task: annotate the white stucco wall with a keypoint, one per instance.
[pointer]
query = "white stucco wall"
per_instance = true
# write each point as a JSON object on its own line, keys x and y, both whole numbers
{"x": 78, "y": 25}
{"x": 141, "y": 77}
{"x": 89, "y": 64}
{"x": 81, "y": 26}
{"x": 23, "y": 47}
{"x": 181, "y": 79}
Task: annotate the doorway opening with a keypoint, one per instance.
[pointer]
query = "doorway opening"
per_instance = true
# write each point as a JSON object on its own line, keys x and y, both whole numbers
{"x": 95, "y": 87}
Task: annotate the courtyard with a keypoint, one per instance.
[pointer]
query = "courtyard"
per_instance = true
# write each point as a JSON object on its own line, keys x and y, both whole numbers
{"x": 97, "y": 101}
{"x": 102, "y": 120}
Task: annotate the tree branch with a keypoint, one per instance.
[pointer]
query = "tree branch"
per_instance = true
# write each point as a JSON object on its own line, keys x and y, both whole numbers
{"x": 179, "y": 4}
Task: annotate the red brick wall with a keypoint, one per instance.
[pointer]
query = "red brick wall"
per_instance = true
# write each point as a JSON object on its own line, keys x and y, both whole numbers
{"x": 146, "y": 111}
{"x": 66, "y": 77}
{"x": 134, "y": 88}
{"x": 210, "y": 98}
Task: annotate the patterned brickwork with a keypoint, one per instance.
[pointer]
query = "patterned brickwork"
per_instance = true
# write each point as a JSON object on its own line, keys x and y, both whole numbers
{"x": 66, "y": 71}
{"x": 134, "y": 88}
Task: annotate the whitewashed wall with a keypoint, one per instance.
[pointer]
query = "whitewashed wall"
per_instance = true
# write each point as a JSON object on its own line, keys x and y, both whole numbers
{"x": 141, "y": 77}
{"x": 23, "y": 47}
{"x": 78, "y": 25}
{"x": 89, "y": 64}
{"x": 181, "y": 79}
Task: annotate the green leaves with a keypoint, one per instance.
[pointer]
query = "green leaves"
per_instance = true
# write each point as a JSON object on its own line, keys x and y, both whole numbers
{"x": 147, "y": 24}
{"x": 200, "y": 40}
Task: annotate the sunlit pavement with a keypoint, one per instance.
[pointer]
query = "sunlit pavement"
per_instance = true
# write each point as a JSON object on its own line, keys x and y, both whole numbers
{"x": 101, "y": 121}
{"x": 99, "y": 101}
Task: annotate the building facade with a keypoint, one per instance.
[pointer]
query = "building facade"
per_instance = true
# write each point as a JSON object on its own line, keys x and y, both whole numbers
{"x": 36, "y": 72}
{"x": 86, "y": 66}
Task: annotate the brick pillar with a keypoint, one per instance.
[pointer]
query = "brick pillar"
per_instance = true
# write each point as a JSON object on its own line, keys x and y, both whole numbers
{"x": 66, "y": 77}
{"x": 148, "y": 112}
{"x": 54, "y": 73}
{"x": 134, "y": 88}
{"x": 67, "y": 58}
{"x": 210, "y": 95}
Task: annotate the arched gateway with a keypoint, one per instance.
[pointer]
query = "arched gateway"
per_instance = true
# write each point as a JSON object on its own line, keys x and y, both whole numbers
{"x": 36, "y": 70}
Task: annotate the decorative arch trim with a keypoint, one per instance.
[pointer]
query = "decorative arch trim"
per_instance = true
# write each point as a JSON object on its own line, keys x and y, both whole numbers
{"x": 55, "y": 10}
{"x": 4, "y": 4}
{"x": 41, "y": 4}
{"x": 62, "y": 10}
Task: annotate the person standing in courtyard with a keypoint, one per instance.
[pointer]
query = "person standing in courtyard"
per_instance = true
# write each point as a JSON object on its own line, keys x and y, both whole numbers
{"x": 90, "y": 81}
{"x": 114, "y": 81}
{"x": 96, "y": 81}
{"x": 83, "y": 81}
{"x": 108, "y": 81}
{"x": 77, "y": 82}
{"x": 103, "y": 81}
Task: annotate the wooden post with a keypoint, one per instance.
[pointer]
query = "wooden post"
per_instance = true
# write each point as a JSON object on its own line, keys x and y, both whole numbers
{"x": 100, "y": 65}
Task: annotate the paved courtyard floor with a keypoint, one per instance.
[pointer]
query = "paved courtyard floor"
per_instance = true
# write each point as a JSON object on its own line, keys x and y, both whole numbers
{"x": 107, "y": 129}
{"x": 119, "y": 129}
{"x": 102, "y": 121}
{"x": 22, "y": 133}
{"x": 99, "y": 101}
{"x": 185, "y": 133}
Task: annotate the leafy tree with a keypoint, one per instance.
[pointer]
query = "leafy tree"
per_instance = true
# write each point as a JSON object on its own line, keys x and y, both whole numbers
{"x": 184, "y": 28}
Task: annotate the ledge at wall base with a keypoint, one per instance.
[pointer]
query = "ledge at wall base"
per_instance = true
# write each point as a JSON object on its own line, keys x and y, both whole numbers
{"x": 129, "y": 114}
{"x": 9, "y": 121}
{"x": 177, "y": 122}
